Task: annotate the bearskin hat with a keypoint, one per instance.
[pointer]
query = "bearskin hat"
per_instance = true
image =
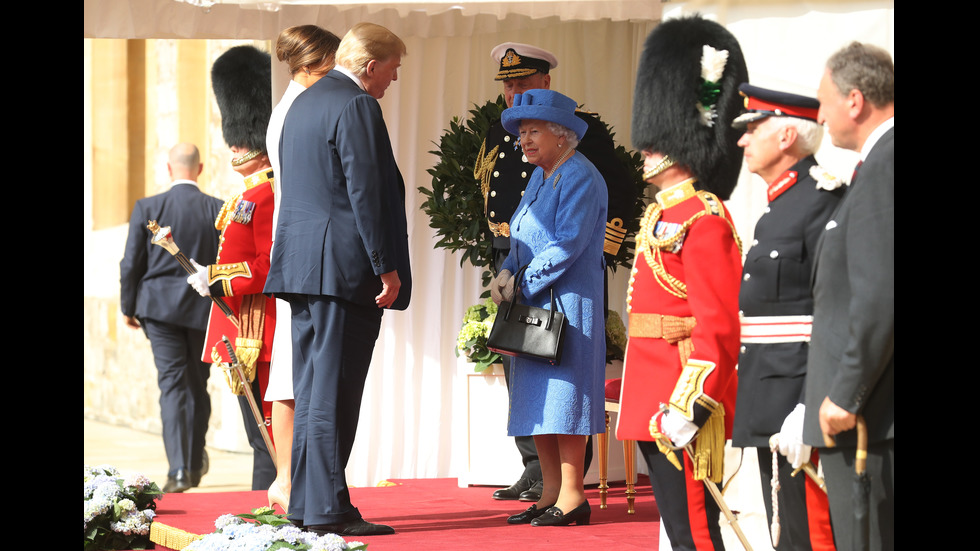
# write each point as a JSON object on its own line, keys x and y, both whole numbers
{"x": 242, "y": 82}
{"x": 673, "y": 112}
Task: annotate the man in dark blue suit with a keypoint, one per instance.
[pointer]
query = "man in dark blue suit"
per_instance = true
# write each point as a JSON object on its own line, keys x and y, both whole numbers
{"x": 851, "y": 361}
{"x": 341, "y": 257}
{"x": 155, "y": 296}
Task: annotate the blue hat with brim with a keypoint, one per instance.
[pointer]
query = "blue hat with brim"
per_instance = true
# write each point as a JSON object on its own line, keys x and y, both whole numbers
{"x": 543, "y": 105}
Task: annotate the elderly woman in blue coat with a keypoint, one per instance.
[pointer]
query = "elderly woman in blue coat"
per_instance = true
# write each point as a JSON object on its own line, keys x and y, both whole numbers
{"x": 557, "y": 232}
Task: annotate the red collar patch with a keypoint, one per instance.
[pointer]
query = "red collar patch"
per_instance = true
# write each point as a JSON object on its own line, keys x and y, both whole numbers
{"x": 784, "y": 182}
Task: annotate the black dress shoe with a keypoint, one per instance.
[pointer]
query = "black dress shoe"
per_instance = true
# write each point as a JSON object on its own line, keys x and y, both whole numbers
{"x": 533, "y": 493}
{"x": 527, "y": 516}
{"x": 359, "y": 527}
{"x": 515, "y": 489}
{"x": 196, "y": 475}
{"x": 555, "y": 517}
{"x": 177, "y": 483}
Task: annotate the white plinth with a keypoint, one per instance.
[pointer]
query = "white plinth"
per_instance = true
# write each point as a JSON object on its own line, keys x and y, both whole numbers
{"x": 488, "y": 456}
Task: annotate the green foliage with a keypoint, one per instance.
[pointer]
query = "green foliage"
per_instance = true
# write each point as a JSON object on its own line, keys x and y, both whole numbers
{"x": 455, "y": 202}
{"x": 634, "y": 163}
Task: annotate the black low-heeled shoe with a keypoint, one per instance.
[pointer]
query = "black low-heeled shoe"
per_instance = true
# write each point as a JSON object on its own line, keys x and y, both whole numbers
{"x": 554, "y": 516}
{"x": 528, "y": 515}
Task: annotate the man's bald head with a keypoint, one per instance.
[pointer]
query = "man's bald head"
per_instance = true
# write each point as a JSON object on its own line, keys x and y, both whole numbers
{"x": 184, "y": 162}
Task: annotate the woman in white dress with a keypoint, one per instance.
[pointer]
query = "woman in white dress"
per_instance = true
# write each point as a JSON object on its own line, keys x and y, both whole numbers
{"x": 308, "y": 51}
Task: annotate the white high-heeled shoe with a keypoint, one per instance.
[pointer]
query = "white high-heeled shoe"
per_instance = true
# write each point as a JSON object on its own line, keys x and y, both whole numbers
{"x": 279, "y": 496}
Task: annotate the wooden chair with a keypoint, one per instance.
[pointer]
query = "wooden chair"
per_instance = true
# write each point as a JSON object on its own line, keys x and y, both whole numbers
{"x": 629, "y": 454}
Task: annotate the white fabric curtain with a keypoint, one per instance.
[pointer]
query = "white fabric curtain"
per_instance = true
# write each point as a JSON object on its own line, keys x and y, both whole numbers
{"x": 406, "y": 424}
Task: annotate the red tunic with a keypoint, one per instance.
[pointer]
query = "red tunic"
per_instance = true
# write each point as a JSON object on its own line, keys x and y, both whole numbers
{"x": 709, "y": 262}
{"x": 240, "y": 271}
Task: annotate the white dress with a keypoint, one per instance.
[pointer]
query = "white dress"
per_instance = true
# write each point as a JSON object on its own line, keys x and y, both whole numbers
{"x": 281, "y": 368}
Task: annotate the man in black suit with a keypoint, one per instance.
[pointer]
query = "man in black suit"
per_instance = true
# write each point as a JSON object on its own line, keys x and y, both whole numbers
{"x": 155, "y": 296}
{"x": 851, "y": 362}
{"x": 341, "y": 258}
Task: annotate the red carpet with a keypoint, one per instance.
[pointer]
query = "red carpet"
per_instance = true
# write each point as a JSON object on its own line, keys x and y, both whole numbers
{"x": 435, "y": 514}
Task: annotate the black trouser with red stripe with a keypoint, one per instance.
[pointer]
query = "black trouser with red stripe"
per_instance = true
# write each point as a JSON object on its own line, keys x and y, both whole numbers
{"x": 804, "y": 513}
{"x": 689, "y": 513}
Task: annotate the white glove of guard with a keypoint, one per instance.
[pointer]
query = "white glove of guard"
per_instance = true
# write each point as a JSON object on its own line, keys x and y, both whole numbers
{"x": 677, "y": 428}
{"x": 790, "y": 438}
{"x": 502, "y": 287}
{"x": 199, "y": 279}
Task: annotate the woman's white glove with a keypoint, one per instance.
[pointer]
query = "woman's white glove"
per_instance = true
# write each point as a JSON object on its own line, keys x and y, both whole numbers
{"x": 199, "y": 279}
{"x": 677, "y": 428}
{"x": 502, "y": 287}
{"x": 790, "y": 438}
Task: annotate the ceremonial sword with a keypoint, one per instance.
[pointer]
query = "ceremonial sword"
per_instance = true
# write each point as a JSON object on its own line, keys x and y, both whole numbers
{"x": 247, "y": 390}
{"x": 164, "y": 238}
{"x": 710, "y": 484}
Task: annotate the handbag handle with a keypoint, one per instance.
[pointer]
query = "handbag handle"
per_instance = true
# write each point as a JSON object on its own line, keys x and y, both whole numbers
{"x": 517, "y": 293}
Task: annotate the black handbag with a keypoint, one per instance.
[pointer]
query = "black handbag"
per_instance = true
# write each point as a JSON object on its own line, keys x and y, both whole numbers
{"x": 527, "y": 331}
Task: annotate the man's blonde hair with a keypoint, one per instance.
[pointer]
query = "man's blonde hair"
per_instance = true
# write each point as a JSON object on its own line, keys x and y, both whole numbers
{"x": 367, "y": 41}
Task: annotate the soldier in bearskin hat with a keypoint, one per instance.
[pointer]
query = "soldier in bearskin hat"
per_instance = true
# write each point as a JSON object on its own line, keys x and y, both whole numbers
{"x": 679, "y": 376}
{"x": 242, "y": 82}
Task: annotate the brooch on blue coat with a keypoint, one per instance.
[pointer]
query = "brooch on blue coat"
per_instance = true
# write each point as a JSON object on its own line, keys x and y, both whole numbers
{"x": 243, "y": 212}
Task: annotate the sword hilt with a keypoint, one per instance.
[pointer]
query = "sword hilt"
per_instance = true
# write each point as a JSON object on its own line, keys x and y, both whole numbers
{"x": 231, "y": 351}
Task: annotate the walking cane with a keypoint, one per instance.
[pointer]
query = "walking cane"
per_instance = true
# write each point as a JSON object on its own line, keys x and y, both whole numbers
{"x": 164, "y": 238}
{"x": 259, "y": 420}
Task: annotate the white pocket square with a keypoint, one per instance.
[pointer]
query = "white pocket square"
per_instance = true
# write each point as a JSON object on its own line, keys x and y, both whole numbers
{"x": 831, "y": 225}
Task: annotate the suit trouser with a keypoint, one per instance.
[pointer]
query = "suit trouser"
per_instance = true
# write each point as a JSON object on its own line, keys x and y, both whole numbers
{"x": 804, "y": 513}
{"x": 333, "y": 341}
{"x": 838, "y": 470}
{"x": 687, "y": 509}
{"x": 263, "y": 468}
{"x": 185, "y": 405}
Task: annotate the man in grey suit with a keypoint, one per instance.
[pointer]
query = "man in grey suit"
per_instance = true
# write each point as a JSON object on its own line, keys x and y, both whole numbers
{"x": 154, "y": 295}
{"x": 341, "y": 257}
{"x": 851, "y": 362}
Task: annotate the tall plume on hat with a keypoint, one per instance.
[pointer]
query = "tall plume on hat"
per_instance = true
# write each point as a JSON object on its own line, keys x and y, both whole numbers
{"x": 673, "y": 112}
{"x": 242, "y": 82}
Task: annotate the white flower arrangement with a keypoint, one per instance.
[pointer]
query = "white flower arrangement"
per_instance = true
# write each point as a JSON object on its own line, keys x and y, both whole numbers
{"x": 825, "y": 180}
{"x": 117, "y": 511}
{"x": 712, "y": 68}
{"x": 472, "y": 338}
{"x": 269, "y": 531}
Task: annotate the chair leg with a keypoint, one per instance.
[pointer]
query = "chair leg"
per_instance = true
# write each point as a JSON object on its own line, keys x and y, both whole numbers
{"x": 629, "y": 456}
{"x": 603, "y": 464}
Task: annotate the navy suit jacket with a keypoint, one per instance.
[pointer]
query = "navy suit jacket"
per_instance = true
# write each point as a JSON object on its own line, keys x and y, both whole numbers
{"x": 152, "y": 283}
{"x": 852, "y": 347}
{"x": 342, "y": 217}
